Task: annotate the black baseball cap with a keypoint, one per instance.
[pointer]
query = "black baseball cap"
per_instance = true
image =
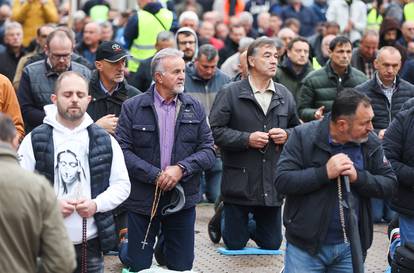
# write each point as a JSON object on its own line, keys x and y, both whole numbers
{"x": 110, "y": 51}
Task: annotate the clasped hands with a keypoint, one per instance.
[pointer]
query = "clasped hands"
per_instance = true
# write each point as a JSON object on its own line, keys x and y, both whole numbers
{"x": 84, "y": 207}
{"x": 259, "y": 139}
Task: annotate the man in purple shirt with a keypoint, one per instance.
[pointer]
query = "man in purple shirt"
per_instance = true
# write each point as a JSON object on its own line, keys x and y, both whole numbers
{"x": 167, "y": 143}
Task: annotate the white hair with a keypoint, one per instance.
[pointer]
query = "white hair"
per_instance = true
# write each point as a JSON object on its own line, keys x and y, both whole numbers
{"x": 157, "y": 64}
{"x": 188, "y": 15}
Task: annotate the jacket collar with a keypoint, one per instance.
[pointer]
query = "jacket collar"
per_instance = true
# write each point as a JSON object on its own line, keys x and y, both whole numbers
{"x": 97, "y": 93}
{"x": 322, "y": 137}
{"x": 192, "y": 72}
{"x": 246, "y": 92}
{"x": 287, "y": 66}
{"x": 332, "y": 74}
{"x": 7, "y": 153}
{"x": 148, "y": 98}
{"x": 50, "y": 72}
{"x": 375, "y": 87}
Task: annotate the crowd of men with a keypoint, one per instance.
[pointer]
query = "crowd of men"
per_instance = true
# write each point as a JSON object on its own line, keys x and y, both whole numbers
{"x": 133, "y": 118}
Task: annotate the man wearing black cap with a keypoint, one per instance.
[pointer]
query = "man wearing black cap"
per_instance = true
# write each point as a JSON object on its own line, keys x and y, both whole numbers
{"x": 108, "y": 86}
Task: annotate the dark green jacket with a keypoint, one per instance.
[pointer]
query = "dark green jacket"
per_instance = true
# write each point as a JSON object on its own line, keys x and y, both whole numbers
{"x": 320, "y": 87}
{"x": 287, "y": 76}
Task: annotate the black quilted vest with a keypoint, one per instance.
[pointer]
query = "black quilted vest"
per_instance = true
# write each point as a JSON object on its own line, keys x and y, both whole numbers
{"x": 100, "y": 161}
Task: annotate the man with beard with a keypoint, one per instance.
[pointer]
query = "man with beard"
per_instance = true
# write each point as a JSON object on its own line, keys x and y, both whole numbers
{"x": 101, "y": 185}
{"x": 310, "y": 173}
{"x": 167, "y": 143}
{"x": 108, "y": 86}
{"x": 39, "y": 78}
{"x": 187, "y": 42}
{"x": 363, "y": 57}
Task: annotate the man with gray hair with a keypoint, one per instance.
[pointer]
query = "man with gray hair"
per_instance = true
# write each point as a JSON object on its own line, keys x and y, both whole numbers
{"x": 189, "y": 19}
{"x": 13, "y": 40}
{"x": 167, "y": 143}
{"x": 250, "y": 120}
{"x": 203, "y": 81}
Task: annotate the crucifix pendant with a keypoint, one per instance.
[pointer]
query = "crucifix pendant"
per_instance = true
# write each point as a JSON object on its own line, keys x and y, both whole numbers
{"x": 144, "y": 243}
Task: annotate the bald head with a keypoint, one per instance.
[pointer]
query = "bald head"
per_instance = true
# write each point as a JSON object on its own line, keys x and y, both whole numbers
{"x": 407, "y": 30}
{"x": 388, "y": 64}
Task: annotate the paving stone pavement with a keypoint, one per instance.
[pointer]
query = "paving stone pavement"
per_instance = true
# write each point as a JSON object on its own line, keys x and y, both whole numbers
{"x": 207, "y": 260}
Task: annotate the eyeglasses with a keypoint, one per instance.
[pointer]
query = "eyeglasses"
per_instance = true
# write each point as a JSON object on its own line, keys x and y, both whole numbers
{"x": 186, "y": 42}
{"x": 60, "y": 56}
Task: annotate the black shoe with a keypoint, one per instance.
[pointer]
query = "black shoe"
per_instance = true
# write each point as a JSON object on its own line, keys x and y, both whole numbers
{"x": 214, "y": 226}
{"x": 159, "y": 251}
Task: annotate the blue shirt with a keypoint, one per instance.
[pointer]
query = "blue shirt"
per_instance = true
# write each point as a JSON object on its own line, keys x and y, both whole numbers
{"x": 354, "y": 152}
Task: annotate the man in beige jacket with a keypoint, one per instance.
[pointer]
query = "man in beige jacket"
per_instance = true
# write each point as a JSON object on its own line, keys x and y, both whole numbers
{"x": 32, "y": 235}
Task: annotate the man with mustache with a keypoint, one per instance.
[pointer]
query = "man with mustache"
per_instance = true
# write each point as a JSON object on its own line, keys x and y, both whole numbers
{"x": 102, "y": 183}
{"x": 250, "y": 120}
{"x": 310, "y": 174}
{"x": 320, "y": 87}
{"x": 167, "y": 143}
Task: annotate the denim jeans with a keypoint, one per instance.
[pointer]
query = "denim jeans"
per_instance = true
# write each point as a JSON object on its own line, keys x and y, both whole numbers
{"x": 238, "y": 226}
{"x": 330, "y": 259}
{"x": 406, "y": 229}
{"x": 178, "y": 232}
{"x": 95, "y": 260}
{"x": 381, "y": 210}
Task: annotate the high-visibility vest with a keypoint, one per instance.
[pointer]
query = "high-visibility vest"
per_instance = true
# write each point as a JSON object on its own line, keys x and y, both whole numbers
{"x": 315, "y": 64}
{"x": 374, "y": 19}
{"x": 409, "y": 12}
{"x": 99, "y": 13}
{"x": 149, "y": 25}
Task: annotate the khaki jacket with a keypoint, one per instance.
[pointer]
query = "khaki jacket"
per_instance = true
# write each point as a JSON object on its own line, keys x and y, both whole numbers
{"x": 31, "y": 225}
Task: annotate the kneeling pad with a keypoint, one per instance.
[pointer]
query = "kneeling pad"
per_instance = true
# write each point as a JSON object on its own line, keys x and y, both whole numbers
{"x": 155, "y": 269}
{"x": 249, "y": 251}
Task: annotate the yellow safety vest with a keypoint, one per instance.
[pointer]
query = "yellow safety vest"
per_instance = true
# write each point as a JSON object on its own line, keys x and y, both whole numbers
{"x": 149, "y": 25}
{"x": 374, "y": 20}
{"x": 99, "y": 13}
{"x": 315, "y": 64}
{"x": 409, "y": 12}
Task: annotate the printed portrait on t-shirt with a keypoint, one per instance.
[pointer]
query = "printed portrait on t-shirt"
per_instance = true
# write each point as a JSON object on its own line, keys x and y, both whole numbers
{"x": 69, "y": 174}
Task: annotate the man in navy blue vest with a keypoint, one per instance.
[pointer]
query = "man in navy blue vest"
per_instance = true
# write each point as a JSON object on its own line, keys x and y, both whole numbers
{"x": 85, "y": 165}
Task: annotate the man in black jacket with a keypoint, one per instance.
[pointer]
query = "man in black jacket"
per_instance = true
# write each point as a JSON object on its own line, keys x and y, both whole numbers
{"x": 313, "y": 162}
{"x": 388, "y": 93}
{"x": 399, "y": 150}
{"x": 249, "y": 120}
{"x": 108, "y": 86}
{"x": 363, "y": 57}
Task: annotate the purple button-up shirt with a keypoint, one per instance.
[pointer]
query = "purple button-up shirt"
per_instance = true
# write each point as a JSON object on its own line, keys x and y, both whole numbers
{"x": 166, "y": 112}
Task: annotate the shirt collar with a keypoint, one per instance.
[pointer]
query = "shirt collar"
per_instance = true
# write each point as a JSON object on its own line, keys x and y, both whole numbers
{"x": 106, "y": 90}
{"x": 160, "y": 100}
{"x": 382, "y": 85}
{"x": 270, "y": 86}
